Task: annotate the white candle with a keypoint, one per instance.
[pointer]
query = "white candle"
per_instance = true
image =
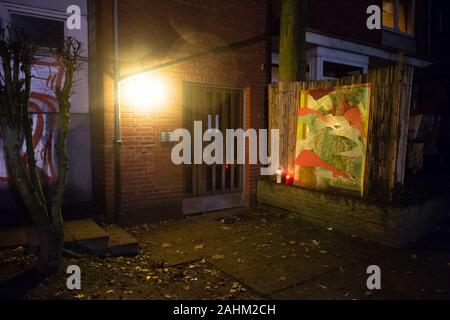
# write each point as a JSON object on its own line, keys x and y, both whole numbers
{"x": 279, "y": 171}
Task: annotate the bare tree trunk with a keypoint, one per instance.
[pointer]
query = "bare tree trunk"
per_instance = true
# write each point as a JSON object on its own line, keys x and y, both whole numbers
{"x": 68, "y": 55}
{"x": 17, "y": 56}
{"x": 293, "y": 40}
{"x": 32, "y": 197}
{"x": 58, "y": 189}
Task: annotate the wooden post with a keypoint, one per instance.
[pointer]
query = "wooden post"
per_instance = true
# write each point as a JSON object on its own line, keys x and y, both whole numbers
{"x": 293, "y": 40}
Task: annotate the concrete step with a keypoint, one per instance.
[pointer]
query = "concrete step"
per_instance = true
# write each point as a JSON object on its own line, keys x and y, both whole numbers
{"x": 13, "y": 237}
{"x": 121, "y": 243}
{"x": 87, "y": 235}
{"x": 82, "y": 234}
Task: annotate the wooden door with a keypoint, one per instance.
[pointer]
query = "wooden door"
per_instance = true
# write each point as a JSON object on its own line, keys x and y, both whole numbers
{"x": 216, "y": 186}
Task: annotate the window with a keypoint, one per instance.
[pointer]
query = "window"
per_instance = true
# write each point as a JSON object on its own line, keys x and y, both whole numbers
{"x": 398, "y": 15}
{"x": 440, "y": 22}
{"x": 275, "y": 72}
{"x": 45, "y": 32}
{"x": 338, "y": 70}
{"x": 389, "y": 14}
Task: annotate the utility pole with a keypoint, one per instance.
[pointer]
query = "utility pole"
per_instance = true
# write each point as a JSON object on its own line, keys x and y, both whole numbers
{"x": 293, "y": 40}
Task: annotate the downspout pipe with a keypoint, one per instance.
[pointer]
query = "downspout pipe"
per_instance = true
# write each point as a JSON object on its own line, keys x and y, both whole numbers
{"x": 117, "y": 129}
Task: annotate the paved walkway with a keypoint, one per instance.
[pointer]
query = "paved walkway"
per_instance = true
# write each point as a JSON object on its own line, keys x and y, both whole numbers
{"x": 264, "y": 254}
{"x": 281, "y": 256}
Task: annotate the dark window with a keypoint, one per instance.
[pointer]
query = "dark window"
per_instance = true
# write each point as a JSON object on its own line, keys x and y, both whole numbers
{"x": 275, "y": 72}
{"x": 44, "y": 32}
{"x": 337, "y": 70}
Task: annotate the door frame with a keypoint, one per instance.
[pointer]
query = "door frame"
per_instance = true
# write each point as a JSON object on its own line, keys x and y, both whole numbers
{"x": 209, "y": 203}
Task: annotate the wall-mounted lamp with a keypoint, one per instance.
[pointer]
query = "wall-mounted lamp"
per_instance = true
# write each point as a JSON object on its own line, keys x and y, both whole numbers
{"x": 144, "y": 92}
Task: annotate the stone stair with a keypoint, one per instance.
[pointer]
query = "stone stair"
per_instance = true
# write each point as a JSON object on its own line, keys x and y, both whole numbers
{"x": 84, "y": 235}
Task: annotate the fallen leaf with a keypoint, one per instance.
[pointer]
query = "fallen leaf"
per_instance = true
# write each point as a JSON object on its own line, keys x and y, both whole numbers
{"x": 79, "y": 296}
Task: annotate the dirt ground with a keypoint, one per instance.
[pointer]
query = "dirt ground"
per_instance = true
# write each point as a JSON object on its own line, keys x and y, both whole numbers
{"x": 262, "y": 254}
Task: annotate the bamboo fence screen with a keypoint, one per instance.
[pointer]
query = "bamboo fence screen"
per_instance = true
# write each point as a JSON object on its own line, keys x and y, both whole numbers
{"x": 388, "y": 123}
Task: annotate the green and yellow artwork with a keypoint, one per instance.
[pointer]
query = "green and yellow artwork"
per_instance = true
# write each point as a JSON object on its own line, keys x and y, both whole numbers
{"x": 332, "y": 126}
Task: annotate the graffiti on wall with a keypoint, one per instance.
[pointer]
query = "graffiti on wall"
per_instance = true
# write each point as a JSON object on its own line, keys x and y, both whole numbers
{"x": 43, "y": 108}
{"x": 332, "y": 127}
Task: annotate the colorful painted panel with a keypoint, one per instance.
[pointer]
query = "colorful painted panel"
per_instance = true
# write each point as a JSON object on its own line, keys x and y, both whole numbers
{"x": 332, "y": 127}
{"x": 43, "y": 107}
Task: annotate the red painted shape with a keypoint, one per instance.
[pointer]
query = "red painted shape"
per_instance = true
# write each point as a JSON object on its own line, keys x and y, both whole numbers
{"x": 305, "y": 111}
{"x": 353, "y": 116}
{"x": 308, "y": 158}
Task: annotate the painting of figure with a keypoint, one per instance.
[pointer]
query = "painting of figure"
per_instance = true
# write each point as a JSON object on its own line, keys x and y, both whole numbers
{"x": 332, "y": 128}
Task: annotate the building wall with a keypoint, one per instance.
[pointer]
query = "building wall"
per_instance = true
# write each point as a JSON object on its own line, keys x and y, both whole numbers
{"x": 346, "y": 19}
{"x": 79, "y": 185}
{"x": 155, "y": 32}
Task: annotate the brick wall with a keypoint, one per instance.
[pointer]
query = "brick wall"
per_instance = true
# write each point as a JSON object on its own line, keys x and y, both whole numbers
{"x": 387, "y": 224}
{"x": 151, "y": 33}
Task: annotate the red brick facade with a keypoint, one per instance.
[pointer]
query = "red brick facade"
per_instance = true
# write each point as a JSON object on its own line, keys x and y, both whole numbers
{"x": 151, "y": 33}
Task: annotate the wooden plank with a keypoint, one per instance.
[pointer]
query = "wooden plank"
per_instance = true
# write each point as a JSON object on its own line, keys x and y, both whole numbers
{"x": 225, "y": 113}
{"x": 240, "y": 102}
{"x": 195, "y": 116}
{"x": 234, "y": 109}
{"x": 215, "y": 109}
{"x": 204, "y": 99}
{"x": 405, "y": 113}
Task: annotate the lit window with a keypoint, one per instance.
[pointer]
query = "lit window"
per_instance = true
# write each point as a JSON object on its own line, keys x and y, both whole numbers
{"x": 398, "y": 15}
{"x": 405, "y": 16}
{"x": 389, "y": 14}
